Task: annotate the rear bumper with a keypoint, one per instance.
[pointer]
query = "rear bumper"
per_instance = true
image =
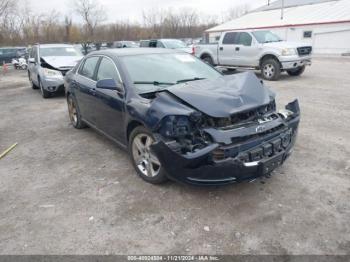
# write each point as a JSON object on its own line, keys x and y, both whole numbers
{"x": 243, "y": 161}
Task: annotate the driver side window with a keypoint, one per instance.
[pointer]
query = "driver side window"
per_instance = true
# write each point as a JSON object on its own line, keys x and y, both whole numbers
{"x": 107, "y": 70}
{"x": 244, "y": 39}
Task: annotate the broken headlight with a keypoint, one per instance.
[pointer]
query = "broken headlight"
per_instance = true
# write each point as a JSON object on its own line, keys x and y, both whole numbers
{"x": 185, "y": 131}
{"x": 175, "y": 126}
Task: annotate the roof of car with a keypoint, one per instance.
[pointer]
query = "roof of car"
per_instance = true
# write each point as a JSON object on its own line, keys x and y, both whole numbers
{"x": 135, "y": 51}
{"x": 54, "y": 45}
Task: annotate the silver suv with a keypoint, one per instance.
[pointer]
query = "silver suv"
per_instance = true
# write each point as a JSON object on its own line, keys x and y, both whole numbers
{"x": 48, "y": 64}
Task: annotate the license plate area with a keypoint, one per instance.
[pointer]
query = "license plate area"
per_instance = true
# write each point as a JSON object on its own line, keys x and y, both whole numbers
{"x": 271, "y": 164}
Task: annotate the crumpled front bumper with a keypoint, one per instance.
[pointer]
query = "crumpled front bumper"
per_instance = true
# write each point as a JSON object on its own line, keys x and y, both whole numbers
{"x": 294, "y": 62}
{"x": 245, "y": 160}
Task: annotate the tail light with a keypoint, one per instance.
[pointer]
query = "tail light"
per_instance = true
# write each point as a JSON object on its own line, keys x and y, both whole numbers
{"x": 193, "y": 50}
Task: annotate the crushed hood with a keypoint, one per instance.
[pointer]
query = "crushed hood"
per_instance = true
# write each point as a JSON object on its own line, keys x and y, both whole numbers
{"x": 62, "y": 62}
{"x": 224, "y": 96}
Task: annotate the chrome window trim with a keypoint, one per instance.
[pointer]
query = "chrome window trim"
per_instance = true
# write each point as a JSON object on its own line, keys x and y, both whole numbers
{"x": 98, "y": 56}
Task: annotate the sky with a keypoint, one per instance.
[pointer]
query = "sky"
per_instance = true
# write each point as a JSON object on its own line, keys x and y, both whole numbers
{"x": 132, "y": 9}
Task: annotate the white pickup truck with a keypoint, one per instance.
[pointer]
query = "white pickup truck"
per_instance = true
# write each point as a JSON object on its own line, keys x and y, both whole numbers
{"x": 261, "y": 50}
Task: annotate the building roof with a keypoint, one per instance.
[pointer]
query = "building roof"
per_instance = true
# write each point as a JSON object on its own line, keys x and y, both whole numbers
{"x": 290, "y": 3}
{"x": 309, "y": 14}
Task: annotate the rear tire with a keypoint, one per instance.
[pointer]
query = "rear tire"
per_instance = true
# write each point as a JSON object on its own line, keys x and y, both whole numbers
{"x": 145, "y": 162}
{"x": 270, "y": 69}
{"x": 44, "y": 93}
{"x": 296, "y": 72}
{"x": 74, "y": 114}
{"x": 208, "y": 60}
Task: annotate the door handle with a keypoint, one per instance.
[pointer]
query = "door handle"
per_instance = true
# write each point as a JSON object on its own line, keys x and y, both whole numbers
{"x": 237, "y": 48}
{"x": 221, "y": 49}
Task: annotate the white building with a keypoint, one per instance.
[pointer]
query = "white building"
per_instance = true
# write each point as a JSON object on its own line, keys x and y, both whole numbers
{"x": 323, "y": 23}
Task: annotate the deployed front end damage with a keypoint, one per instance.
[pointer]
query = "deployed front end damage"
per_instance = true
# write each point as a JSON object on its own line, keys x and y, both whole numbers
{"x": 211, "y": 147}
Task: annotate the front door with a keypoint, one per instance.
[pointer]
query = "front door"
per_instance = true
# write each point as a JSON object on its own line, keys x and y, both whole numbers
{"x": 34, "y": 65}
{"x": 109, "y": 103}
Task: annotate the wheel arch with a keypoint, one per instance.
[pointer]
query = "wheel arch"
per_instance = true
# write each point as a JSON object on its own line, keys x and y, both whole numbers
{"x": 131, "y": 126}
{"x": 205, "y": 54}
{"x": 269, "y": 56}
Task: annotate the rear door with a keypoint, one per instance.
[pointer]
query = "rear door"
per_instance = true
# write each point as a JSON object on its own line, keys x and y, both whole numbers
{"x": 86, "y": 88}
{"x": 109, "y": 103}
{"x": 246, "y": 51}
{"x": 227, "y": 49}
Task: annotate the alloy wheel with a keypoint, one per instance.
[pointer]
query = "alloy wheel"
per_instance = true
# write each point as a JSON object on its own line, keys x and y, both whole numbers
{"x": 269, "y": 71}
{"x": 145, "y": 160}
{"x": 72, "y": 110}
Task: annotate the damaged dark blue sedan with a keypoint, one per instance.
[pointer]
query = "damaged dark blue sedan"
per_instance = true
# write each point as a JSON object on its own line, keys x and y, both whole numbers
{"x": 179, "y": 118}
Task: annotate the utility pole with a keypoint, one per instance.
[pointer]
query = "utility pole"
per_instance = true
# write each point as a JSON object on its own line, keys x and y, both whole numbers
{"x": 282, "y": 10}
{"x": 268, "y": 2}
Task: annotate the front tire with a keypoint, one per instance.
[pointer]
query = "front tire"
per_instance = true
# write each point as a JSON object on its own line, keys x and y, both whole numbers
{"x": 144, "y": 160}
{"x": 271, "y": 69}
{"x": 74, "y": 115}
{"x": 34, "y": 86}
{"x": 44, "y": 93}
{"x": 296, "y": 72}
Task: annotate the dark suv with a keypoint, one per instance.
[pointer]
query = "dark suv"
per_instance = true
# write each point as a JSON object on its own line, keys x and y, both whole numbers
{"x": 9, "y": 53}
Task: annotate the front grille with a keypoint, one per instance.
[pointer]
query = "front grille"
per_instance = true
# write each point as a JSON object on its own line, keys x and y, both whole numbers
{"x": 305, "y": 50}
{"x": 248, "y": 138}
{"x": 243, "y": 117}
{"x": 64, "y": 72}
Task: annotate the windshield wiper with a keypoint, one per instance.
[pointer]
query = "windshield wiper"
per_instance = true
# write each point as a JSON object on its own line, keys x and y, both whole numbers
{"x": 190, "y": 79}
{"x": 155, "y": 83}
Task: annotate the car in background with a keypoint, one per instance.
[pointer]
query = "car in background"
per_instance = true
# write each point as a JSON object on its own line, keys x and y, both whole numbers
{"x": 125, "y": 44}
{"x": 180, "y": 118}
{"x": 167, "y": 43}
{"x": 9, "y": 53}
{"x": 48, "y": 64}
{"x": 261, "y": 50}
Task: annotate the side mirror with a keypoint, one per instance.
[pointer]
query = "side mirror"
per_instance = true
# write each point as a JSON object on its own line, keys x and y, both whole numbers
{"x": 110, "y": 84}
{"x": 31, "y": 60}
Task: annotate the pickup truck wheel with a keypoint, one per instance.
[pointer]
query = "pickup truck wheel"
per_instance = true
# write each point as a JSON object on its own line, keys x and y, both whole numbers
{"x": 208, "y": 60}
{"x": 270, "y": 69}
{"x": 144, "y": 160}
{"x": 296, "y": 72}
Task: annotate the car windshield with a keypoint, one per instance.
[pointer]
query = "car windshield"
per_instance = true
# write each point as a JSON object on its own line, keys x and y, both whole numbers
{"x": 155, "y": 72}
{"x": 266, "y": 37}
{"x": 173, "y": 44}
{"x": 60, "y": 51}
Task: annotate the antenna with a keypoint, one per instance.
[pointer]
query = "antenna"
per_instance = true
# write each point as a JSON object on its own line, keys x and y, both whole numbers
{"x": 282, "y": 10}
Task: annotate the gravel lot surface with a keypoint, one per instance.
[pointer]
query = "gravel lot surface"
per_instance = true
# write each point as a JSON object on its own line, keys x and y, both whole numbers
{"x": 64, "y": 191}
